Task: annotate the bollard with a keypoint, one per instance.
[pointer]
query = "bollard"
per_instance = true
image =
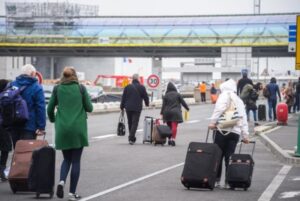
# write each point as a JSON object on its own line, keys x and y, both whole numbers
{"x": 298, "y": 141}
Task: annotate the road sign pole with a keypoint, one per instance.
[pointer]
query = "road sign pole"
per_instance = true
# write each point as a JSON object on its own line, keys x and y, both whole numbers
{"x": 297, "y": 68}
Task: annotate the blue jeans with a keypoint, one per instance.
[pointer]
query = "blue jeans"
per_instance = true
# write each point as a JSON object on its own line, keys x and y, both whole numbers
{"x": 272, "y": 108}
{"x": 71, "y": 157}
{"x": 254, "y": 114}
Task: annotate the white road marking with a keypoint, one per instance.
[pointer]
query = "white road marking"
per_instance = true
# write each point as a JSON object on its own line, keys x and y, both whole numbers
{"x": 130, "y": 182}
{"x": 290, "y": 194}
{"x": 192, "y": 121}
{"x": 296, "y": 179}
{"x": 276, "y": 182}
{"x": 104, "y": 136}
{"x": 139, "y": 130}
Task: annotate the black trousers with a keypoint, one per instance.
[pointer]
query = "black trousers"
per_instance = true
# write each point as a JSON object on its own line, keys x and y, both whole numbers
{"x": 227, "y": 144}
{"x": 203, "y": 97}
{"x": 133, "y": 118}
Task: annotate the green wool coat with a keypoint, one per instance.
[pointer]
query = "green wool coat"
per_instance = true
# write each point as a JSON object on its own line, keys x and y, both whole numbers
{"x": 70, "y": 117}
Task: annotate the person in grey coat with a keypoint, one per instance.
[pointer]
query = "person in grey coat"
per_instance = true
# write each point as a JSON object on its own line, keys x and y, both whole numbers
{"x": 171, "y": 110}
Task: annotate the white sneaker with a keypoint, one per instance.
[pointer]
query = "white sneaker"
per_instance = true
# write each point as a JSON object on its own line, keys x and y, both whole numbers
{"x": 74, "y": 197}
{"x": 217, "y": 184}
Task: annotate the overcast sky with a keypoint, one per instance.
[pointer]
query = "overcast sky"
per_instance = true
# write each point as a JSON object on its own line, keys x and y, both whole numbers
{"x": 185, "y": 7}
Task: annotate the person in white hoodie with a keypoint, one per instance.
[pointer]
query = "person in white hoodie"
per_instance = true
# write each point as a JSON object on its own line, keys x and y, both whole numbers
{"x": 227, "y": 139}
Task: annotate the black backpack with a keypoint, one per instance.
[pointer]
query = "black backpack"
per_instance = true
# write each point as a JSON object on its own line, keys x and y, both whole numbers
{"x": 266, "y": 92}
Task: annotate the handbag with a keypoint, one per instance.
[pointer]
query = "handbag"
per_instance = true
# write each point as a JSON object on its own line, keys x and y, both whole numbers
{"x": 164, "y": 131}
{"x": 186, "y": 115}
{"x": 230, "y": 116}
{"x": 121, "y": 131}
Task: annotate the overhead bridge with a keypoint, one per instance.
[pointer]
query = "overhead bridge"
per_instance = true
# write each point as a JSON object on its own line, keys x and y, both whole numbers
{"x": 143, "y": 36}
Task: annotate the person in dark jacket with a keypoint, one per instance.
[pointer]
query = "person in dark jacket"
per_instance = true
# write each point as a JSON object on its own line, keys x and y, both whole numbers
{"x": 250, "y": 101}
{"x": 171, "y": 110}
{"x": 5, "y": 142}
{"x": 33, "y": 94}
{"x": 243, "y": 81}
{"x": 296, "y": 106}
{"x": 132, "y": 102}
{"x": 273, "y": 88}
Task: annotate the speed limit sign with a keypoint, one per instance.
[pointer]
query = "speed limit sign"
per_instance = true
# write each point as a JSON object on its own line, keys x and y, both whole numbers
{"x": 153, "y": 81}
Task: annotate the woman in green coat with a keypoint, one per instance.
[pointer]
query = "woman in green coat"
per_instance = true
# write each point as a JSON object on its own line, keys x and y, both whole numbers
{"x": 72, "y": 102}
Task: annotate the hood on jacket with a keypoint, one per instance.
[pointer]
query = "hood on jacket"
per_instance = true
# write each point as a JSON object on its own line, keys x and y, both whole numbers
{"x": 229, "y": 85}
{"x": 25, "y": 80}
{"x": 171, "y": 87}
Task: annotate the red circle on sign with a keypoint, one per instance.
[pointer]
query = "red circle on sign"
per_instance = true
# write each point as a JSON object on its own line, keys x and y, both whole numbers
{"x": 39, "y": 77}
{"x": 153, "y": 81}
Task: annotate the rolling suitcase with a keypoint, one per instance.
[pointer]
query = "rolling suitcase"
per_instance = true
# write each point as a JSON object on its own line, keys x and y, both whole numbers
{"x": 42, "y": 171}
{"x": 148, "y": 129}
{"x": 262, "y": 112}
{"x": 160, "y": 133}
{"x": 282, "y": 114}
{"x": 240, "y": 169}
{"x": 19, "y": 170}
{"x": 201, "y": 165}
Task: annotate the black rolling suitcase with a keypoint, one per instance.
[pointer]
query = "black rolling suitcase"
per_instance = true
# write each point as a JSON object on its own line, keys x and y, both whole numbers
{"x": 201, "y": 165}
{"x": 262, "y": 113}
{"x": 240, "y": 169}
{"x": 42, "y": 171}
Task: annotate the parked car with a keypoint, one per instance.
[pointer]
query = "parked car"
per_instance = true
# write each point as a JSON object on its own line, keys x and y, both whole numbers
{"x": 96, "y": 93}
{"x": 47, "y": 92}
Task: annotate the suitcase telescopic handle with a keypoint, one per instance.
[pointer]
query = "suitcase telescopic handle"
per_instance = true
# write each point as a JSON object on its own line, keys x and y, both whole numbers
{"x": 208, "y": 129}
{"x": 250, "y": 142}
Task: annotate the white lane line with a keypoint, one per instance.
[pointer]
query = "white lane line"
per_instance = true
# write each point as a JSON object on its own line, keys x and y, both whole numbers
{"x": 276, "y": 182}
{"x": 139, "y": 130}
{"x": 131, "y": 182}
{"x": 104, "y": 136}
{"x": 192, "y": 121}
{"x": 290, "y": 194}
{"x": 296, "y": 179}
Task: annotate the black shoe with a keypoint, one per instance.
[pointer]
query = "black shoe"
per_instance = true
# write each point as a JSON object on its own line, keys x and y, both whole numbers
{"x": 60, "y": 191}
{"x": 173, "y": 143}
{"x": 2, "y": 174}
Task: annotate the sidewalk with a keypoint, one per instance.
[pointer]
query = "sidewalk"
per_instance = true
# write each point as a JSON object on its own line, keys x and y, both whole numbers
{"x": 281, "y": 140}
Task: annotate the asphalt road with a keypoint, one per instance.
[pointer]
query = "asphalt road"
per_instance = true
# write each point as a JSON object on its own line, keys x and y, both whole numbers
{"x": 113, "y": 170}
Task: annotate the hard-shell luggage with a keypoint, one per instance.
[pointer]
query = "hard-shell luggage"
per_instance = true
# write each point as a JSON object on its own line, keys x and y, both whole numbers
{"x": 148, "y": 129}
{"x": 156, "y": 137}
{"x": 42, "y": 171}
{"x": 213, "y": 98}
{"x": 262, "y": 112}
{"x": 240, "y": 169}
{"x": 201, "y": 165}
{"x": 282, "y": 114}
{"x": 19, "y": 170}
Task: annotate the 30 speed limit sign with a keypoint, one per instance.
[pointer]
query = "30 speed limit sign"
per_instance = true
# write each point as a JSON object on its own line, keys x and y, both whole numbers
{"x": 153, "y": 81}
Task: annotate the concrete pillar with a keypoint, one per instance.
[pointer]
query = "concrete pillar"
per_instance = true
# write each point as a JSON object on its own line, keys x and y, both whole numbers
{"x": 52, "y": 76}
{"x": 157, "y": 70}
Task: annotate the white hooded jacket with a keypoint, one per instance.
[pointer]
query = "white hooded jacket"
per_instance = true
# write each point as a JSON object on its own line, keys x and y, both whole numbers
{"x": 229, "y": 88}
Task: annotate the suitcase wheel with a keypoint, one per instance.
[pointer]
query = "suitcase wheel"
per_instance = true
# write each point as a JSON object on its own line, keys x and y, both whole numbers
{"x": 232, "y": 188}
{"x": 51, "y": 194}
{"x": 37, "y": 195}
{"x": 245, "y": 189}
{"x": 143, "y": 142}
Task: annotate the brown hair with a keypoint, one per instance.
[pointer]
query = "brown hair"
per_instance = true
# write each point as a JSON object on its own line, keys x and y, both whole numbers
{"x": 69, "y": 74}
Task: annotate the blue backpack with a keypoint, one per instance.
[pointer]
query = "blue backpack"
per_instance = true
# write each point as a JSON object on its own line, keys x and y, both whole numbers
{"x": 13, "y": 108}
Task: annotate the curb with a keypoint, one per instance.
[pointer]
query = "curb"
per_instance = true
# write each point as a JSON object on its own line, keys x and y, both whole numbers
{"x": 282, "y": 155}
